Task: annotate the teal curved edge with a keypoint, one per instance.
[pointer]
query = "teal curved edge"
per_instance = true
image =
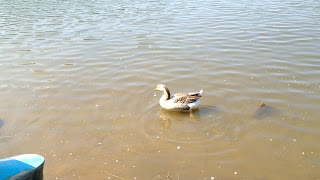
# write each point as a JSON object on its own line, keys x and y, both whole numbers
{"x": 18, "y": 167}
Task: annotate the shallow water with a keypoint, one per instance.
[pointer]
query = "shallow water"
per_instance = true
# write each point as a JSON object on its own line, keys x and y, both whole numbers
{"x": 77, "y": 86}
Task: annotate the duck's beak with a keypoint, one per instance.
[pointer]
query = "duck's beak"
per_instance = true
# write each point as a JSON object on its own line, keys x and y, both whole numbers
{"x": 156, "y": 88}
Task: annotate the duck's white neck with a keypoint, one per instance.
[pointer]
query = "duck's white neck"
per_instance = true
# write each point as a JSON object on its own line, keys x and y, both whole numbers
{"x": 166, "y": 94}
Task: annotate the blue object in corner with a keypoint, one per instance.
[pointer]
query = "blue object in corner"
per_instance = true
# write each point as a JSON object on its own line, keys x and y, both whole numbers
{"x": 22, "y": 167}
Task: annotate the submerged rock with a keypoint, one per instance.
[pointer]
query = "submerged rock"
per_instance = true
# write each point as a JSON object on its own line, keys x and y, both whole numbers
{"x": 264, "y": 111}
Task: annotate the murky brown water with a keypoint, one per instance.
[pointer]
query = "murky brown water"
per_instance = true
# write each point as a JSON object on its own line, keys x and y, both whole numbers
{"x": 77, "y": 83}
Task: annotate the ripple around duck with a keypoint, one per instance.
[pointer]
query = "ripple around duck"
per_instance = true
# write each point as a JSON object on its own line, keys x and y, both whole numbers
{"x": 177, "y": 127}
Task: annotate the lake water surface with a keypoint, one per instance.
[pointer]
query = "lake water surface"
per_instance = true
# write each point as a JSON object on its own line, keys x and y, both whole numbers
{"x": 77, "y": 83}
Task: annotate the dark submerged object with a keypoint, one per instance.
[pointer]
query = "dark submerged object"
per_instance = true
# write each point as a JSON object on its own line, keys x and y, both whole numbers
{"x": 1, "y": 123}
{"x": 22, "y": 167}
{"x": 264, "y": 111}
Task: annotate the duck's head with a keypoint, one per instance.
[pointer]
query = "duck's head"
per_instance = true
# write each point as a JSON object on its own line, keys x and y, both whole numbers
{"x": 161, "y": 87}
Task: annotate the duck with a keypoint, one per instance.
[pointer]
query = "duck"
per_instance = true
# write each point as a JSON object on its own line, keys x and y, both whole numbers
{"x": 184, "y": 102}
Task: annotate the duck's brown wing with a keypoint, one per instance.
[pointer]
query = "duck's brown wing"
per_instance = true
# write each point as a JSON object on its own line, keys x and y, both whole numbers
{"x": 186, "y": 98}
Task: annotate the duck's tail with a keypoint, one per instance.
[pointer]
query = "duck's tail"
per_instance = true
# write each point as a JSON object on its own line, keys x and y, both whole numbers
{"x": 196, "y": 94}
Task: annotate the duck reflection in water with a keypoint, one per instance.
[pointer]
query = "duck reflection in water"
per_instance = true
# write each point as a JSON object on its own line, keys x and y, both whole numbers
{"x": 167, "y": 117}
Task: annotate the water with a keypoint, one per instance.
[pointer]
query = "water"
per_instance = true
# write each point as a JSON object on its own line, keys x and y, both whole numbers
{"x": 77, "y": 83}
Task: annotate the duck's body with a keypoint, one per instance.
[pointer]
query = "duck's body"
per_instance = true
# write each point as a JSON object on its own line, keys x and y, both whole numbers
{"x": 180, "y": 101}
